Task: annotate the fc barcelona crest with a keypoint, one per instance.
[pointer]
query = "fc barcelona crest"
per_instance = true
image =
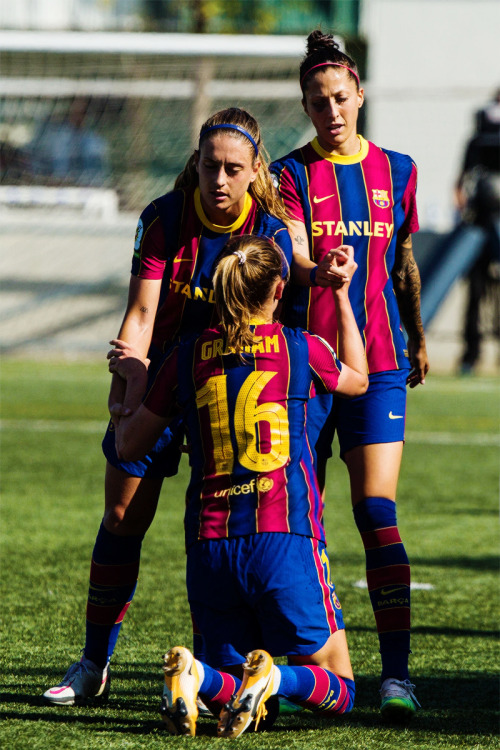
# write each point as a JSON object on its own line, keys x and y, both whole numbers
{"x": 381, "y": 198}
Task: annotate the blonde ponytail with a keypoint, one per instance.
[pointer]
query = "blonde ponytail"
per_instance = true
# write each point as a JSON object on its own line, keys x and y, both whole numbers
{"x": 243, "y": 281}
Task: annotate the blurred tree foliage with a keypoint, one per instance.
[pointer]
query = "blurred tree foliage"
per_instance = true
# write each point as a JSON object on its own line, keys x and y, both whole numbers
{"x": 252, "y": 16}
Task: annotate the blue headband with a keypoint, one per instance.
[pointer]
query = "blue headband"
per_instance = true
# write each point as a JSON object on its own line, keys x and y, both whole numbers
{"x": 232, "y": 127}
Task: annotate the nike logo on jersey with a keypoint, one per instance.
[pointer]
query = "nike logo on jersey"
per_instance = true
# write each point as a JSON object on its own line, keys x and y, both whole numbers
{"x": 386, "y": 592}
{"x": 179, "y": 260}
{"x": 320, "y": 200}
{"x": 395, "y": 416}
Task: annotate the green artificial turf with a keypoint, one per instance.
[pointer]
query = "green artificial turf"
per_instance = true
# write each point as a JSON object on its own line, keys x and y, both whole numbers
{"x": 53, "y": 417}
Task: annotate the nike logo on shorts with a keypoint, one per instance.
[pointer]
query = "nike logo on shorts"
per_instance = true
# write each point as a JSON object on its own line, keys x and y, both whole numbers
{"x": 395, "y": 416}
{"x": 320, "y": 200}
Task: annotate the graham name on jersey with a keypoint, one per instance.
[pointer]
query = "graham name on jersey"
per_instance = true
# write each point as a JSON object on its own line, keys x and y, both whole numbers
{"x": 263, "y": 344}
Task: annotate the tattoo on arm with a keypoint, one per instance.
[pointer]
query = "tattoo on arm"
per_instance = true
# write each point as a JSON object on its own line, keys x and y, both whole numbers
{"x": 299, "y": 240}
{"x": 407, "y": 286}
{"x": 144, "y": 309}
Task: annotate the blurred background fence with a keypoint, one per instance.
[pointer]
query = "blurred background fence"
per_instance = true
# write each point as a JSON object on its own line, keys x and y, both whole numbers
{"x": 123, "y": 111}
{"x": 101, "y": 102}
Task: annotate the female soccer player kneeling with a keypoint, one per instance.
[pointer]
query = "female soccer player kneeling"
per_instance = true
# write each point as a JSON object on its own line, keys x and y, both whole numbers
{"x": 258, "y": 574}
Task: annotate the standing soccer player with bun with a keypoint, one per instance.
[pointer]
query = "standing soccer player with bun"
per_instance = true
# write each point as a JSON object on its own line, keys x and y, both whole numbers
{"x": 341, "y": 188}
{"x": 258, "y": 573}
{"x": 225, "y": 190}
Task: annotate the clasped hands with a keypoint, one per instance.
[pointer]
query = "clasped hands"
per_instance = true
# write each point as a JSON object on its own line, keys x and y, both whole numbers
{"x": 126, "y": 361}
{"x": 337, "y": 267}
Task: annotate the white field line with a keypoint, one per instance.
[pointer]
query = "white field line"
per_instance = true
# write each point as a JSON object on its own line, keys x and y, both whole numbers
{"x": 414, "y": 585}
{"x": 453, "y": 438}
{"x": 461, "y": 386}
{"x": 54, "y": 425}
{"x": 89, "y": 427}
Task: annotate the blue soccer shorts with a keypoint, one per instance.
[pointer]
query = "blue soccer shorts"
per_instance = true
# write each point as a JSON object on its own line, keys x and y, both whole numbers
{"x": 162, "y": 461}
{"x": 269, "y": 590}
{"x": 378, "y": 416}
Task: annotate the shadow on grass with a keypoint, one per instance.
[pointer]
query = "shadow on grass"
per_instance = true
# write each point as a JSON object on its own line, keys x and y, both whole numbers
{"x": 454, "y": 705}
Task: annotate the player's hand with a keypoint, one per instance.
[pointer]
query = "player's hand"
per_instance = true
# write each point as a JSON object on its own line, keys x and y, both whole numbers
{"x": 342, "y": 259}
{"x": 123, "y": 351}
{"x": 417, "y": 354}
{"x": 337, "y": 267}
{"x": 126, "y": 362}
{"x": 117, "y": 411}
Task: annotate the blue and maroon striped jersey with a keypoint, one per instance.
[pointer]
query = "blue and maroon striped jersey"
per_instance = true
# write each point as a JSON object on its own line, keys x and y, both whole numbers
{"x": 252, "y": 469}
{"x": 176, "y": 242}
{"x": 362, "y": 200}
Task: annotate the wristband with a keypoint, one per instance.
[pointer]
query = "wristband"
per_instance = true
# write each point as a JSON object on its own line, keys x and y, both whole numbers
{"x": 312, "y": 276}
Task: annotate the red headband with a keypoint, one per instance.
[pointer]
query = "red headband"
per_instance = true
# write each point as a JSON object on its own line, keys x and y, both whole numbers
{"x": 321, "y": 65}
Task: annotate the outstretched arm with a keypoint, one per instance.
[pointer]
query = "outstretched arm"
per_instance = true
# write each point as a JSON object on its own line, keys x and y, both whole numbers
{"x": 137, "y": 430}
{"x": 137, "y": 434}
{"x": 136, "y": 329}
{"x": 406, "y": 280}
{"x": 353, "y": 379}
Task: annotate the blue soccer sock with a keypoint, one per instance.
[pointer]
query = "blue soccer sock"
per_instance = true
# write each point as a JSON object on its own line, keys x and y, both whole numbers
{"x": 217, "y": 688}
{"x": 317, "y": 689}
{"x": 113, "y": 579}
{"x": 388, "y": 578}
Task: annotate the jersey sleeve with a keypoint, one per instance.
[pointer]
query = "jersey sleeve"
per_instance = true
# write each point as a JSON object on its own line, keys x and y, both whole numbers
{"x": 149, "y": 257}
{"x": 409, "y": 203}
{"x": 287, "y": 189}
{"x": 284, "y": 242}
{"x": 161, "y": 398}
{"x": 267, "y": 225}
{"x": 324, "y": 365}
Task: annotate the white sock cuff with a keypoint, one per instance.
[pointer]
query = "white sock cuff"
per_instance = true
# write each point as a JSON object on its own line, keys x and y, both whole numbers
{"x": 276, "y": 680}
{"x": 201, "y": 670}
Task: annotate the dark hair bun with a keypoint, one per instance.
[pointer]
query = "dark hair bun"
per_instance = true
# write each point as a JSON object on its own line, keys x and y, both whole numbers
{"x": 317, "y": 41}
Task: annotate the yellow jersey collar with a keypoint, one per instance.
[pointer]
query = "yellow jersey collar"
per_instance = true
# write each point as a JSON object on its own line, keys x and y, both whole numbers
{"x": 255, "y": 320}
{"x": 337, "y": 159}
{"x": 215, "y": 227}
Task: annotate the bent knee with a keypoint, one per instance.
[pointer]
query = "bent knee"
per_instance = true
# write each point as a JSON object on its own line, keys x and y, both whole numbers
{"x": 126, "y": 521}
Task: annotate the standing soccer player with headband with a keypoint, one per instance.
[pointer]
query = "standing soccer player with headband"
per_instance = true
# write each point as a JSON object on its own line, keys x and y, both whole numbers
{"x": 225, "y": 190}
{"x": 341, "y": 188}
{"x": 258, "y": 574}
